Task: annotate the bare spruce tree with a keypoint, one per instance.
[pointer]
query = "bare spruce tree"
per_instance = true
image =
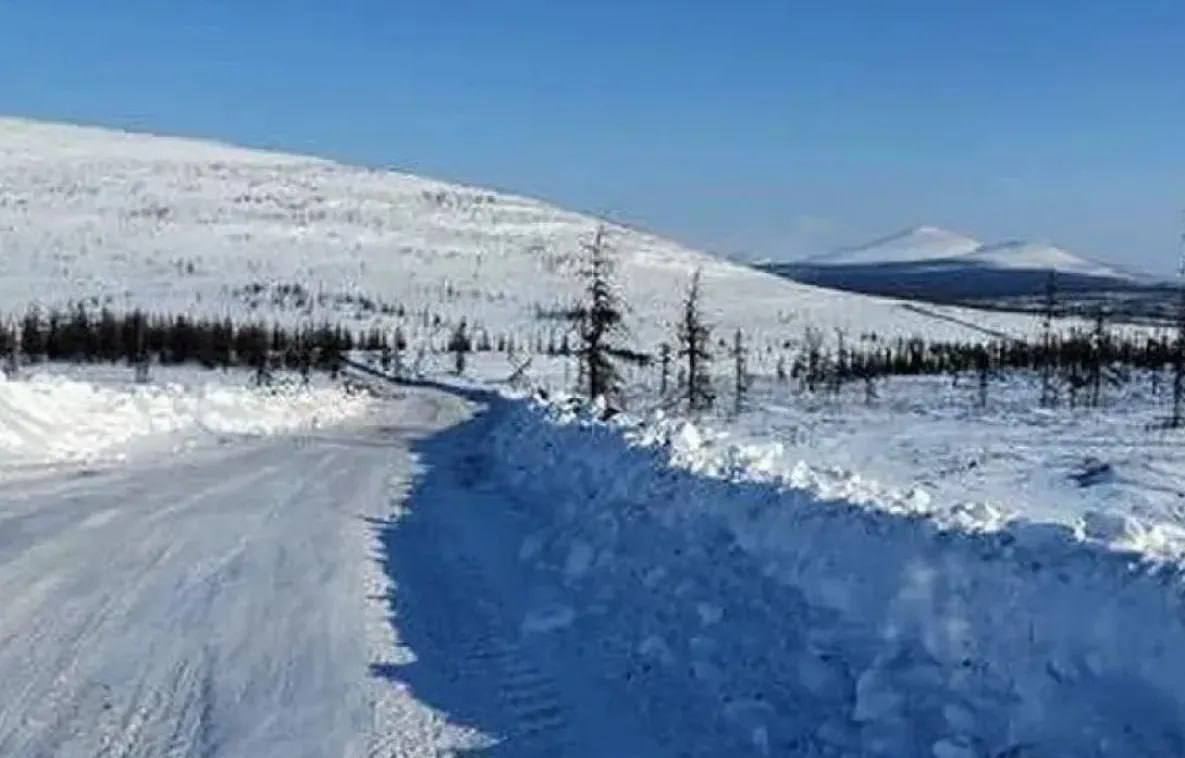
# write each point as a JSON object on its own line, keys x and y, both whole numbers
{"x": 983, "y": 367}
{"x": 1048, "y": 395}
{"x": 141, "y": 349}
{"x": 1100, "y": 348}
{"x": 664, "y": 359}
{"x": 812, "y": 346}
{"x": 740, "y": 357}
{"x": 460, "y": 345}
{"x": 12, "y": 353}
{"x": 694, "y": 338}
{"x": 600, "y": 323}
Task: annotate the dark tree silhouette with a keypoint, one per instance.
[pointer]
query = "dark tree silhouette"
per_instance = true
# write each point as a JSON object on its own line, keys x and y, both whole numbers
{"x": 694, "y": 337}
{"x": 460, "y": 345}
{"x": 740, "y": 357}
{"x": 600, "y": 323}
{"x": 1048, "y": 395}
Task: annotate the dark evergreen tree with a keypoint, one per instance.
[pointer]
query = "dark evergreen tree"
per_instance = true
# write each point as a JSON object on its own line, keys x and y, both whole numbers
{"x": 460, "y": 345}
{"x": 694, "y": 336}
{"x": 664, "y": 359}
{"x": 740, "y": 357}
{"x": 600, "y": 324}
{"x": 32, "y": 338}
{"x": 1048, "y": 394}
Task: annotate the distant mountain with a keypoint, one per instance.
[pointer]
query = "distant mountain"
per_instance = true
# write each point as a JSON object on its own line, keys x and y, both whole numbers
{"x": 930, "y": 263}
{"x": 1041, "y": 256}
{"x": 921, "y": 243}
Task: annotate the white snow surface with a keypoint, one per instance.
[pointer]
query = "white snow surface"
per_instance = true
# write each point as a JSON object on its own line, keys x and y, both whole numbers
{"x": 233, "y": 572}
{"x": 226, "y": 602}
{"x": 185, "y": 226}
{"x": 811, "y": 615}
{"x": 49, "y": 418}
{"x": 414, "y": 579}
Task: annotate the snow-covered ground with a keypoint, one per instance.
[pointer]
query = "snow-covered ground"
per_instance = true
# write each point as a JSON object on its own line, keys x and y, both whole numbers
{"x": 224, "y": 602}
{"x": 91, "y": 413}
{"x": 182, "y": 226}
{"x": 802, "y": 612}
{"x": 924, "y": 446}
{"x": 233, "y": 571}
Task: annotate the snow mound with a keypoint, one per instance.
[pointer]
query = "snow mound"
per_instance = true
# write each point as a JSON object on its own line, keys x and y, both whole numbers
{"x": 814, "y": 618}
{"x": 53, "y": 419}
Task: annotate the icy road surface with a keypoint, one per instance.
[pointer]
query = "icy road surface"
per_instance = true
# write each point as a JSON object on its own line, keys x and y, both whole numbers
{"x": 238, "y": 601}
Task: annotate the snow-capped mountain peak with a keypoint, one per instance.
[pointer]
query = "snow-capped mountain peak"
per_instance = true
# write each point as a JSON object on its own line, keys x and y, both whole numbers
{"x": 1020, "y": 254}
{"x": 935, "y": 245}
{"x": 919, "y": 243}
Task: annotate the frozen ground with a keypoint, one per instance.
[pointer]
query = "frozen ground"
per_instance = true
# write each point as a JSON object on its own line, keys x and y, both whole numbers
{"x": 924, "y": 445}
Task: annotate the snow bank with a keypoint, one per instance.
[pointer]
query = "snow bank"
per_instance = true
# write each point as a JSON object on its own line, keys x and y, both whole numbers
{"x": 843, "y": 626}
{"x": 49, "y": 419}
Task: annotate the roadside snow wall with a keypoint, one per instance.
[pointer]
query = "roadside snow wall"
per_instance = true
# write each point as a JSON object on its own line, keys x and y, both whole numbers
{"x": 49, "y": 418}
{"x": 814, "y": 627}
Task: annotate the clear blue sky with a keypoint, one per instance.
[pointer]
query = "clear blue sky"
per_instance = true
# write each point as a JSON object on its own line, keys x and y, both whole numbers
{"x": 769, "y": 128}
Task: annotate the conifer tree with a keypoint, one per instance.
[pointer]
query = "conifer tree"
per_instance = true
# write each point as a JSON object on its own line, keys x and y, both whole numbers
{"x": 1048, "y": 397}
{"x": 600, "y": 323}
{"x": 460, "y": 345}
{"x": 694, "y": 338}
{"x": 740, "y": 356}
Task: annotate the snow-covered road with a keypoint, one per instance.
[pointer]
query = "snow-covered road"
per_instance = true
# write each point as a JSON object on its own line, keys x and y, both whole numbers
{"x": 212, "y": 604}
{"x": 255, "y": 598}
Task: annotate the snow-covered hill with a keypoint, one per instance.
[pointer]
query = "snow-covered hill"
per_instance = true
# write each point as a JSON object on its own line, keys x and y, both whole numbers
{"x": 172, "y": 224}
{"x": 934, "y": 264}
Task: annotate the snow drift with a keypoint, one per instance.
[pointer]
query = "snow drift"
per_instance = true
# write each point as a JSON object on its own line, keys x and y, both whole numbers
{"x": 50, "y": 418}
{"x": 832, "y": 627}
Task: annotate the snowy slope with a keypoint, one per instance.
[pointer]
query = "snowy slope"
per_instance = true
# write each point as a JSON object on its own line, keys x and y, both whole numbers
{"x": 134, "y": 220}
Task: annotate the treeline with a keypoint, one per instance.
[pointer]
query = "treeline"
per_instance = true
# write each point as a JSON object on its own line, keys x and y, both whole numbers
{"x": 79, "y": 335}
{"x": 1078, "y": 352}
